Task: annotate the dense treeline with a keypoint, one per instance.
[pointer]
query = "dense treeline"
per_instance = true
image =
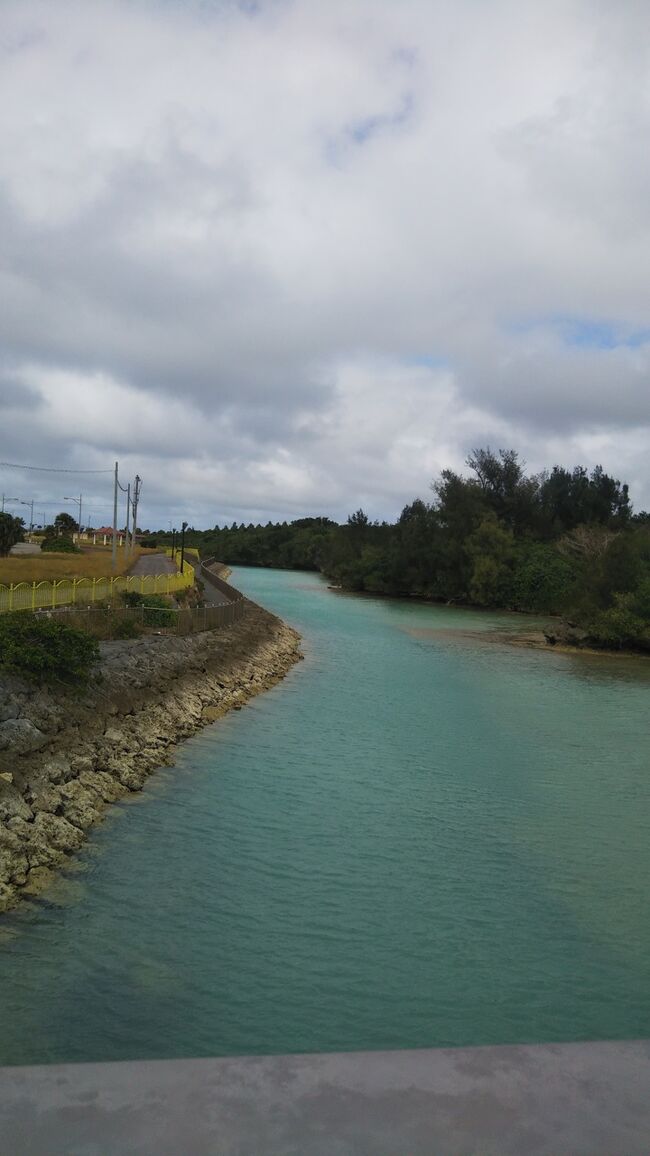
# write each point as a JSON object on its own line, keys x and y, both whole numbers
{"x": 562, "y": 542}
{"x": 299, "y": 545}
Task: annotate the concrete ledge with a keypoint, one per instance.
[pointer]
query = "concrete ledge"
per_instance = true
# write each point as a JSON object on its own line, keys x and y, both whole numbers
{"x": 578, "y": 1099}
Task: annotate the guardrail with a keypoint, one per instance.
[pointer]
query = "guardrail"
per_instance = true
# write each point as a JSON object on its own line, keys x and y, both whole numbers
{"x": 70, "y": 591}
{"x": 546, "y": 1098}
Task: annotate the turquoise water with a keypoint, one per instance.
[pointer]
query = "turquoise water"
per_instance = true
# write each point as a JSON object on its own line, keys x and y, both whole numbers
{"x": 421, "y": 837}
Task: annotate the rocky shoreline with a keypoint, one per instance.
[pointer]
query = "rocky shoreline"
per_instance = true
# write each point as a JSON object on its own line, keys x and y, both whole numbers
{"x": 66, "y": 754}
{"x": 560, "y": 643}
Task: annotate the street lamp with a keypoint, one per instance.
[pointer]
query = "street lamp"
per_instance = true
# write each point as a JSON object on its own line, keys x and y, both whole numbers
{"x": 183, "y": 529}
{"x": 78, "y": 502}
{"x": 5, "y": 499}
{"x": 31, "y": 512}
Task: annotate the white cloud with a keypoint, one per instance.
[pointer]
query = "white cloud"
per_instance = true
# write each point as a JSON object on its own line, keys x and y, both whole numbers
{"x": 300, "y": 256}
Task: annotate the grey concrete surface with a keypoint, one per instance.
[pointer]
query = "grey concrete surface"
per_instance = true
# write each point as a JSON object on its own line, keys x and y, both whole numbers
{"x": 154, "y": 564}
{"x": 22, "y": 548}
{"x": 213, "y": 596}
{"x": 545, "y": 1100}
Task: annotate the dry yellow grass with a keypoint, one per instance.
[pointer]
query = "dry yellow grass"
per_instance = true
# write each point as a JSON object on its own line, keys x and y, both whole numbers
{"x": 94, "y": 562}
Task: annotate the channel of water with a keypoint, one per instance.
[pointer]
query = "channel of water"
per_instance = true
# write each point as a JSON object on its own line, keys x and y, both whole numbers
{"x": 424, "y": 836}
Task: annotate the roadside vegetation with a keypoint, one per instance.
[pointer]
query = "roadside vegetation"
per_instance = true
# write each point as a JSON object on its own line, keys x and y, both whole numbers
{"x": 90, "y": 562}
{"x": 564, "y": 542}
{"x": 62, "y": 545}
{"x": 46, "y": 648}
{"x": 12, "y": 531}
{"x": 156, "y": 609}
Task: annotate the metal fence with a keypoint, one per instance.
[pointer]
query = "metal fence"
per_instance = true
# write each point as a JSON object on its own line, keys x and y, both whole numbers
{"x": 108, "y": 622}
{"x": 71, "y": 591}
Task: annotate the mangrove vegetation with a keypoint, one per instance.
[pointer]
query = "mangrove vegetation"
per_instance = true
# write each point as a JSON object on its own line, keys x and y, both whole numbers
{"x": 564, "y": 542}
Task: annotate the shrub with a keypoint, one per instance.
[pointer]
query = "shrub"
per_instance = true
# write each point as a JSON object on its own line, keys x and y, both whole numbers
{"x": 126, "y": 628}
{"x": 543, "y": 578}
{"x": 44, "y": 647}
{"x": 626, "y": 623}
{"x": 132, "y": 598}
{"x": 59, "y": 546}
{"x": 157, "y": 610}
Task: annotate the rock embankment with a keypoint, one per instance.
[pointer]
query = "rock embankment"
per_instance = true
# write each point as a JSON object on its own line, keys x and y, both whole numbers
{"x": 66, "y": 754}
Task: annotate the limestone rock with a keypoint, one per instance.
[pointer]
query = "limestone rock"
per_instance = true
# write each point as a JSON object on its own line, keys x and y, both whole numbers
{"x": 115, "y": 736}
{"x": 82, "y": 764}
{"x": 13, "y": 860}
{"x": 7, "y": 896}
{"x": 58, "y": 769}
{"x": 80, "y": 805}
{"x": 9, "y": 709}
{"x": 38, "y": 880}
{"x": 44, "y": 713}
{"x": 132, "y": 777}
{"x": 47, "y": 798}
{"x": 566, "y": 634}
{"x": 212, "y": 713}
{"x": 12, "y": 803}
{"x": 104, "y": 784}
{"x": 20, "y": 827}
{"x": 51, "y": 837}
{"x": 20, "y": 736}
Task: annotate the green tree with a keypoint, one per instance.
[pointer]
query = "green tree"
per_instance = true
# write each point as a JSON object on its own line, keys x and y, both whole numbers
{"x": 543, "y": 578}
{"x": 511, "y": 496}
{"x": 65, "y": 524}
{"x": 491, "y": 549}
{"x": 11, "y": 531}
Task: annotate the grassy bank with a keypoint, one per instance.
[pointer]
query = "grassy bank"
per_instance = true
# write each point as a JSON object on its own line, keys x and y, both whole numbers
{"x": 93, "y": 562}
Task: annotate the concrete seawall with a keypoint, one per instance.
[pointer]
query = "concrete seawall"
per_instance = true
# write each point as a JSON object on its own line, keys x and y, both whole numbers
{"x": 66, "y": 754}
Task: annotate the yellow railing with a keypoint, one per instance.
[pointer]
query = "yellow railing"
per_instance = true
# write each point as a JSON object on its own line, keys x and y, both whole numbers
{"x": 72, "y": 591}
{"x": 189, "y": 552}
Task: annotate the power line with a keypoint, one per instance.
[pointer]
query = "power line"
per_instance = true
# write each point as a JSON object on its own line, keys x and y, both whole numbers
{"x": 52, "y": 502}
{"x": 52, "y": 469}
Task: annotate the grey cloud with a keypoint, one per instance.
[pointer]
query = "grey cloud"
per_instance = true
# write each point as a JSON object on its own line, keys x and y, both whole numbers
{"x": 178, "y": 243}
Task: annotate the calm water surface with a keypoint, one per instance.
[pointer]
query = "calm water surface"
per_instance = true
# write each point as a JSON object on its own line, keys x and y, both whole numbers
{"x": 421, "y": 837}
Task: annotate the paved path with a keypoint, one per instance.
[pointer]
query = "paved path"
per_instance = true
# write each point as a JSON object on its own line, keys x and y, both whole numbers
{"x": 154, "y": 564}
{"x": 163, "y": 564}
{"x": 26, "y": 548}
{"x": 212, "y": 594}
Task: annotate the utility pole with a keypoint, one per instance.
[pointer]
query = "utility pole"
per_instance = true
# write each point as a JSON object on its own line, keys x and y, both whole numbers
{"x": 174, "y": 544}
{"x": 136, "y": 498}
{"x": 114, "y": 554}
{"x": 128, "y": 515}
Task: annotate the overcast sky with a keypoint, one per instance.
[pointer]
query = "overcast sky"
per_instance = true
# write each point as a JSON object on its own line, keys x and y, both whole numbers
{"x": 296, "y": 256}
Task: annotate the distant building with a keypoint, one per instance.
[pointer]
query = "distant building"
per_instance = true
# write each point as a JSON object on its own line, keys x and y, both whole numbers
{"x": 104, "y": 535}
